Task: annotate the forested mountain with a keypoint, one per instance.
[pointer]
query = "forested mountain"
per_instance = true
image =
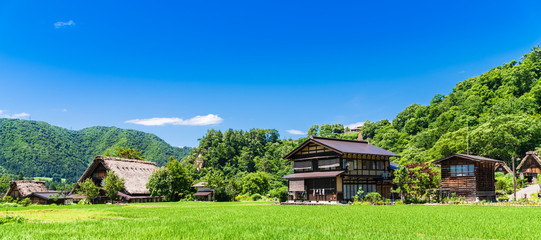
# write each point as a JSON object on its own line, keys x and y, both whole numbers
{"x": 500, "y": 109}
{"x": 40, "y": 149}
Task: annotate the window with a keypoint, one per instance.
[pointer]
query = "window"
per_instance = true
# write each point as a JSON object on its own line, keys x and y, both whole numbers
{"x": 462, "y": 170}
{"x": 380, "y": 165}
{"x": 302, "y": 166}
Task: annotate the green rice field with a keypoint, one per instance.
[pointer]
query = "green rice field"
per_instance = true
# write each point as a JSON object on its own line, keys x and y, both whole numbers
{"x": 202, "y": 220}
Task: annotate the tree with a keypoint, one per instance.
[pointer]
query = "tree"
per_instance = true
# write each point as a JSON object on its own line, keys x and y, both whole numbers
{"x": 20, "y": 177}
{"x": 89, "y": 190}
{"x": 171, "y": 181}
{"x": 4, "y": 184}
{"x": 258, "y": 182}
{"x": 130, "y": 153}
{"x": 112, "y": 185}
{"x": 159, "y": 184}
{"x": 417, "y": 182}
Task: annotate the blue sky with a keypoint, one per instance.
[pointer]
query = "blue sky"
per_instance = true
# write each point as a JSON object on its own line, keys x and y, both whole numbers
{"x": 195, "y": 65}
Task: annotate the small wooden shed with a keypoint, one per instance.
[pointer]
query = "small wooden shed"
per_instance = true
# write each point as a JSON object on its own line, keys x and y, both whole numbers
{"x": 469, "y": 176}
{"x": 503, "y": 168}
{"x": 35, "y": 190}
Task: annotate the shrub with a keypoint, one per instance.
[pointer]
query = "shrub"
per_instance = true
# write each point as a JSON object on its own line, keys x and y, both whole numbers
{"x": 243, "y": 198}
{"x": 25, "y": 202}
{"x": 373, "y": 197}
{"x": 224, "y": 194}
{"x": 256, "y": 196}
{"x": 280, "y": 193}
{"x": 10, "y": 204}
{"x": 84, "y": 202}
{"x": 12, "y": 219}
{"x": 7, "y": 199}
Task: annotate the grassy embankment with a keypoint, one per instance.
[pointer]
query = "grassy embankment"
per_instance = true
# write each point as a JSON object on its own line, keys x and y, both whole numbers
{"x": 199, "y": 220}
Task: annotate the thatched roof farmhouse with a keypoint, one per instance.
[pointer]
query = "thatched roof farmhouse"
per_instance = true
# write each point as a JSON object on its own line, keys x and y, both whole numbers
{"x": 24, "y": 188}
{"x": 35, "y": 190}
{"x": 135, "y": 173}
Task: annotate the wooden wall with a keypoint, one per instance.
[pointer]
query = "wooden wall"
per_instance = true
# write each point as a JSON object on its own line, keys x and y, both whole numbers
{"x": 481, "y": 185}
{"x": 461, "y": 185}
{"x": 530, "y": 166}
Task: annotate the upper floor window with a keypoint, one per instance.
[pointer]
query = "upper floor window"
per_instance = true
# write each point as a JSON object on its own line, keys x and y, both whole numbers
{"x": 462, "y": 170}
{"x": 302, "y": 166}
{"x": 329, "y": 164}
{"x": 364, "y": 164}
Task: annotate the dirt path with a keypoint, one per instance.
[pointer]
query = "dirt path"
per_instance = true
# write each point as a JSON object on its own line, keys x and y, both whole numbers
{"x": 527, "y": 190}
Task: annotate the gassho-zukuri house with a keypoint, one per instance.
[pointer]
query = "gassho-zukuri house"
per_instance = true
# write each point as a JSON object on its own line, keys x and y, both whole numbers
{"x": 36, "y": 191}
{"x": 135, "y": 173}
{"x": 332, "y": 170}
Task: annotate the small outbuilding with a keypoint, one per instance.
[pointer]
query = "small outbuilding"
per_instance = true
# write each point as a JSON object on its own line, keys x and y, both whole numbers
{"x": 36, "y": 191}
{"x": 503, "y": 168}
{"x": 203, "y": 193}
{"x": 530, "y": 166}
{"x": 468, "y": 176}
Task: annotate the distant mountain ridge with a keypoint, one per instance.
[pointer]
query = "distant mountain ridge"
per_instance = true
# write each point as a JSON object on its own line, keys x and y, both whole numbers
{"x": 40, "y": 149}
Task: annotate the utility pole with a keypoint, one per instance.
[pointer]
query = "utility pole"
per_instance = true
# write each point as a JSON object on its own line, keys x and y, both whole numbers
{"x": 514, "y": 179}
{"x": 467, "y": 138}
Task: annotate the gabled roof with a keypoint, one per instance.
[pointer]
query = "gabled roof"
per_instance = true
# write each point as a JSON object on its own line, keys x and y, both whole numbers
{"x": 343, "y": 146}
{"x": 200, "y": 185}
{"x": 505, "y": 167}
{"x": 135, "y": 172}
{"x": 530, "y": 154}
{"x": 469, "y": 157}
{"x": 26, "y": 187}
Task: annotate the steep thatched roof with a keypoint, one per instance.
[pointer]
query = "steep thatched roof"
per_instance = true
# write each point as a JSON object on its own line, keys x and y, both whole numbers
{"x": 530, "y": 155}
{"x": 504, "y": 166}
{"x": 135, "y": 172}
{"x": 26, "y": 187}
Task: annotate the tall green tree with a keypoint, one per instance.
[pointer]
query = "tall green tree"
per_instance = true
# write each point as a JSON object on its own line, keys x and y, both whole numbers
{"x": 112, "y": 185}
{"x": 88, "y": 189}
{"x": 172, "y": 181}
{"x": 417, "y": 182}
{"x": 4, "y": 184}
{"x": 20, "y": 177}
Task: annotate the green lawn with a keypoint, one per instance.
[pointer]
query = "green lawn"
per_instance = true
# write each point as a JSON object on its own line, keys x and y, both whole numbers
{"x": 199, "y": 220}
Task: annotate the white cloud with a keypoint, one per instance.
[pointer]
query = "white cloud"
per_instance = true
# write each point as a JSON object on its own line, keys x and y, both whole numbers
{"x": 354, "y": 125}
{"x": 64, "y": 110}
{"x": 295, "y": 132}
{"x": 3, "y": 114}
{"x": 195, "y": 121}
{"x": 64, "y": 24}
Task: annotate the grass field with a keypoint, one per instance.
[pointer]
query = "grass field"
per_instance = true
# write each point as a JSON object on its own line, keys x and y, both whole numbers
{"x": 200, "y": 220}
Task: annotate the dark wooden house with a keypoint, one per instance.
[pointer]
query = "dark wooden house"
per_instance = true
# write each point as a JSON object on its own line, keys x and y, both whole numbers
{"x": 203, "y": 193}
{"x": 530, "y": 166}
{"x": 469, "y": 176}
{"x": 35, "y": 191}
{"x": 135, "y": 173}
{"x": 333, "y": 170}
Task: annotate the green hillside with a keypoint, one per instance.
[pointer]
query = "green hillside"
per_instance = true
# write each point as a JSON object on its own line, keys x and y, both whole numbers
{"x": 500, "y": 109}
{"x": 40, "y": 149}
